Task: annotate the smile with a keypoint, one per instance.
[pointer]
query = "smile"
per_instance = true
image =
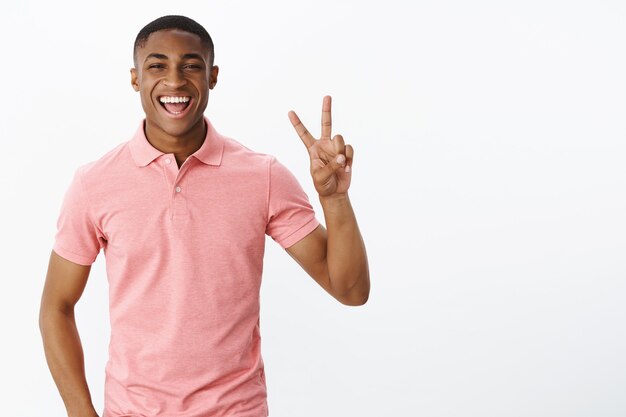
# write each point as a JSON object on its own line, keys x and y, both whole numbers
{"x": 175, "y": 105}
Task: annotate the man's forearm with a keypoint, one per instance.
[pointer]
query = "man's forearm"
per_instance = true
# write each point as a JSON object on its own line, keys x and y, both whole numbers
{"x": 64, "y": 354}
{"x": 345, "y": 252}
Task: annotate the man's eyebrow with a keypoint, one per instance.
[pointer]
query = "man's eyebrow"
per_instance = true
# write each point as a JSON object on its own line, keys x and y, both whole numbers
{"x": 157, "y": 56}
{"x": 186, "y": 56}
{"x": 193, "y": 56}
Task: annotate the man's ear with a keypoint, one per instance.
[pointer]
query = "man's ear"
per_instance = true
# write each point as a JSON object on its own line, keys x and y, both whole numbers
{"x": 133, "y": 79}
{"x": 213, "y": 76}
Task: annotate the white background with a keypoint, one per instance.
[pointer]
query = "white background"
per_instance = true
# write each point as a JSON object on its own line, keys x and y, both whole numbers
{"x": 489, "y": 184}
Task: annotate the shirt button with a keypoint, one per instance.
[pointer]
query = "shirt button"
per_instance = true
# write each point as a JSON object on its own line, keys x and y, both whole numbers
{"x": 168, "y": 161}
{"x": 178, "y": 189}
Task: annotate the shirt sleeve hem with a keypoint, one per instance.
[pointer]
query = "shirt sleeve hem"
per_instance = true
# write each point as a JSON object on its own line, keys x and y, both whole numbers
{"x": 300, "y": 233}
{"x": 73, "y": 257}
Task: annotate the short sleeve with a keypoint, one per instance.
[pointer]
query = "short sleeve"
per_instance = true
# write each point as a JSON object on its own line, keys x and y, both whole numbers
{"x": 77, "y": 238}
{"x": 290, "y": 214}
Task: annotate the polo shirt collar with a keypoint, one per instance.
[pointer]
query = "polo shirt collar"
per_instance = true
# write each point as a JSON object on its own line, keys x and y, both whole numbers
{"x": 209, "y": 153}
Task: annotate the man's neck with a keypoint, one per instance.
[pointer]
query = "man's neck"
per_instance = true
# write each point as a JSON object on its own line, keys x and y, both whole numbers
{"x": 181, "y": 146}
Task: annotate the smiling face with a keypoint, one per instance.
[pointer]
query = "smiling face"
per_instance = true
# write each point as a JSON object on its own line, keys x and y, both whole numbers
{"x": 173, "y": 75}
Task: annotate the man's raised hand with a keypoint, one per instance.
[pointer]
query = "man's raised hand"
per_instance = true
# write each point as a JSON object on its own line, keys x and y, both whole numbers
{"x": 331, "y": 159}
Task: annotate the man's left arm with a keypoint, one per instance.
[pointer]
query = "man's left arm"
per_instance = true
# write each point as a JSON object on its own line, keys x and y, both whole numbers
{"x": 336, "y": 258}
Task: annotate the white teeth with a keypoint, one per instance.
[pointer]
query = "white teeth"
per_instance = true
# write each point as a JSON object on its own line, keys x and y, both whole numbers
{"x": 172, "y": 99}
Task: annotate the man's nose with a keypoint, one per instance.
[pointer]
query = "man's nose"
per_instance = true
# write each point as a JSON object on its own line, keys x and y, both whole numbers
{"x": 174, "y": 79}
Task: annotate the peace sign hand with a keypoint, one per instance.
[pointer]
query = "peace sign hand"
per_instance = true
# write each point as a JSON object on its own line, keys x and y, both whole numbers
{"x": 331, "y": 160}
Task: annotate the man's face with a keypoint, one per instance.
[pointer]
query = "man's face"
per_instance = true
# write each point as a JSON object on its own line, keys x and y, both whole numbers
{"x": 173, "y": 76}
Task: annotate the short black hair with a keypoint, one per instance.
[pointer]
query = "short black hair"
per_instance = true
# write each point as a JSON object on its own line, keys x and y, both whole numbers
{"x": 174, "y": 22}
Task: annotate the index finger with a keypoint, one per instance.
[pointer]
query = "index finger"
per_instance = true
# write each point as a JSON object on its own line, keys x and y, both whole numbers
{"x": 302, "y": 131}
{"x": 326, "y": 117}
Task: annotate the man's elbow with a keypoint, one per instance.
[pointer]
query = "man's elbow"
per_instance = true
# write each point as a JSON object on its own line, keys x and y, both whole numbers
{"x": 357, "y": 295}
{"x": 353, "y": 301}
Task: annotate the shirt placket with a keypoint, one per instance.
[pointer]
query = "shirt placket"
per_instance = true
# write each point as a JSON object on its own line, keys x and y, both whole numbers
{"x": 177, "y": 185}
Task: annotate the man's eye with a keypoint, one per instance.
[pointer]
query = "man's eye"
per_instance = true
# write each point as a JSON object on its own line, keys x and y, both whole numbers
{"x": 156, "y": 66}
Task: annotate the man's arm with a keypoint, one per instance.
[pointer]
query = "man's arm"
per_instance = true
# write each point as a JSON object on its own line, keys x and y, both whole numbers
{"x": 335, "y": 258}
{"x": 64, "y": 285}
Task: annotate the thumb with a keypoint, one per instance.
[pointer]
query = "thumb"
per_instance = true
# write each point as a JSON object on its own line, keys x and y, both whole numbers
{"x": 324, "y": 173}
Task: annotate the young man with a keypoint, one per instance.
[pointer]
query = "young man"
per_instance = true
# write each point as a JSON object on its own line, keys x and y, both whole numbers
{"x": 181, "y": 212}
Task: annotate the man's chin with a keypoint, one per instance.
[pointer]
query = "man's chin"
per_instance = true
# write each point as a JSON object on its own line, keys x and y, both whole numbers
{"x": 176, "y": 127}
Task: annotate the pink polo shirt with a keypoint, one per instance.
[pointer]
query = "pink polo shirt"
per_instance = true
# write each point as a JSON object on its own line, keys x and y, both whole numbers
{"x": 184, "y": 256}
